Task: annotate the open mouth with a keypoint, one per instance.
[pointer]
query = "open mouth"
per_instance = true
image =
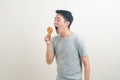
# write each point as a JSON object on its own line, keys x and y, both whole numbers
{"x": 56, "y": 27}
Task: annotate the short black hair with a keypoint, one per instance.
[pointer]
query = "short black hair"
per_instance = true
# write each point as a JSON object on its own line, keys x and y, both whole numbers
{"x": 67, "y": 15}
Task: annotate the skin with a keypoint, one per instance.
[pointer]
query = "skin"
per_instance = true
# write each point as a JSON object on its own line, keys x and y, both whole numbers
{"x": 61, "y": 27}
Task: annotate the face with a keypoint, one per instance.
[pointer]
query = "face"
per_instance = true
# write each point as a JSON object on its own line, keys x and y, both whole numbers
{"x": 60, "y": 24}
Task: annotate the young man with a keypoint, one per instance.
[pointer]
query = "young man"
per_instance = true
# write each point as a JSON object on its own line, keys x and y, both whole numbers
{"x": 68, "y": 49}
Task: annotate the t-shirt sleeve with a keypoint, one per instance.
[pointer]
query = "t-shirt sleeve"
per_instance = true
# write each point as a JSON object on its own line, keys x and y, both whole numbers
{"x": 81, "y": 47}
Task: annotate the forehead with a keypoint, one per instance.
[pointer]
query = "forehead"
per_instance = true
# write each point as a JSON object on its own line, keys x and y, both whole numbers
{"x": 58, "y": 16}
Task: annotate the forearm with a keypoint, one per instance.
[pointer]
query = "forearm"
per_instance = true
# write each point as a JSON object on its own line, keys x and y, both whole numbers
{"x": 49, "y": 55}
{"x": 87, "y": 72}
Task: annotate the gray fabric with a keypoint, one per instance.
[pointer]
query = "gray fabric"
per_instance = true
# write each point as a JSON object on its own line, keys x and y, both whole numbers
{"x": 68, "y": 52}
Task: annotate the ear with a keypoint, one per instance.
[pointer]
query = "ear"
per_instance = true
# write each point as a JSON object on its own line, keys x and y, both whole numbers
{"x": 67, "y": 23}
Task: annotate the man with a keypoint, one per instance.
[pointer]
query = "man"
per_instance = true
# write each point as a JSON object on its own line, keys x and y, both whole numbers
{"x": 68, "y": 49}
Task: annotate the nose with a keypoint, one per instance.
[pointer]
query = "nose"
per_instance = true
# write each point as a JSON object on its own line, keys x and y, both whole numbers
{"x": 55, "y": 21}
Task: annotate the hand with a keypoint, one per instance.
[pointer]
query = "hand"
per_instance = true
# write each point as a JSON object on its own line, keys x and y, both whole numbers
{"x": 48, "y": 39}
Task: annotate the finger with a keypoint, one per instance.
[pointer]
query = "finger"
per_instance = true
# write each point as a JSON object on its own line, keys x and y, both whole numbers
{"x": 49, "y": 36}
{"x": 46, "y": 38}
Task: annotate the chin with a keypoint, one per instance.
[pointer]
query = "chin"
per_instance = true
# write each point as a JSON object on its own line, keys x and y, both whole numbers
{"x": 57, "y": 32}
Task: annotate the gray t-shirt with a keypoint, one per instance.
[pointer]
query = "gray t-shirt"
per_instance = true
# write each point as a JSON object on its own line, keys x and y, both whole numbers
{"x": 68, "y": 52}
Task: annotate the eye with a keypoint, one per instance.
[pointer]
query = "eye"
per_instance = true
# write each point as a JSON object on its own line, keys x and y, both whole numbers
{"x": 58, "y": 20}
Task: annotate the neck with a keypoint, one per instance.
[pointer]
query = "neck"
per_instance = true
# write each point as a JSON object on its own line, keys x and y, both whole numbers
{"x": 66, "y": 33}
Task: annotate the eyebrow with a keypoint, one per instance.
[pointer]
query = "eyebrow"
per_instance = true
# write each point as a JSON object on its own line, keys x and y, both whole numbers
{"x": 57, "y": 18}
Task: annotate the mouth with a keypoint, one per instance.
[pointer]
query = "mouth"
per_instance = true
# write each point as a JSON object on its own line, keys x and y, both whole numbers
{"x": 56, "y": 27}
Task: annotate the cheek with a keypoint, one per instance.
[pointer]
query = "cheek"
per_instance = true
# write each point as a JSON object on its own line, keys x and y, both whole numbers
{"x": 61, "y": 26}
{"x": 61, "y": 29}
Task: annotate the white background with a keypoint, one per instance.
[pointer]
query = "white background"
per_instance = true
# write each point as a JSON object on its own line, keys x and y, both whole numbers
{"x": 23, "y": 25}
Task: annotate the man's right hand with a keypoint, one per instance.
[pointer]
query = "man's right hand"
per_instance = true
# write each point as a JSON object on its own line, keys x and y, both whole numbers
{"x": 48, "y": 39}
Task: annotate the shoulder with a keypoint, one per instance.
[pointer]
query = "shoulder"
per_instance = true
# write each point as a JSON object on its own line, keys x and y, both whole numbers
{"x": 55, "y": 37}
{"x": 78, "y": 39}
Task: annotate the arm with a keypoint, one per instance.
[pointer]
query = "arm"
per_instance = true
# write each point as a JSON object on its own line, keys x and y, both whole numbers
{"x": 49, "y": 54}
{"x": 86, "y": 67}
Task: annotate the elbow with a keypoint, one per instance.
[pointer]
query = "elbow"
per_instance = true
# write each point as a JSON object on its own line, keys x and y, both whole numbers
{"x": 49, "y": 62}
{"x": 49, "y": 58}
